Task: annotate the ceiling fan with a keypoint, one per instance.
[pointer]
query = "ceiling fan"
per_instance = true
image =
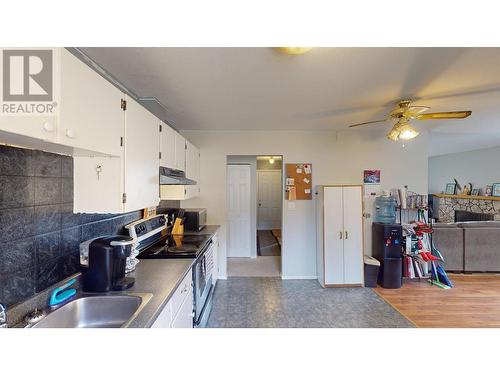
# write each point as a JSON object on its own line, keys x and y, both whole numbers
{"x": 404, "y": 112}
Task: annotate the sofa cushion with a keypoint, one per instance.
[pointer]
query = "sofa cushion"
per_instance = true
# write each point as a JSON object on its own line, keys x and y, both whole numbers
{"x": 450, "y": 242}
{"x": 482, "y": 249}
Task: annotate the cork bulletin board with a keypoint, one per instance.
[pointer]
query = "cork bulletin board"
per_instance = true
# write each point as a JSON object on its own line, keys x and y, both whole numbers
{"x": 298, "y": 182}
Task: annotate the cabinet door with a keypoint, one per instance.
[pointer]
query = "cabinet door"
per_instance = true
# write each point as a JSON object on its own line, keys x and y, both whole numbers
{"x": 333, "y": 236}
{"x": 192, "y": 169}
{"x": 353, "y": 235}
{"x": 90, "y": 113}
{"x": 180, "y": 152}
{"x": 164, "y": 320}
{"x": 141, "y": 157}
{"x": 98, "y": 184}
{"x": 215, "y": 272}
{"x": 43, "y": 127}
{"x": 184, "y": 317}
{"x": 167, "y": 142}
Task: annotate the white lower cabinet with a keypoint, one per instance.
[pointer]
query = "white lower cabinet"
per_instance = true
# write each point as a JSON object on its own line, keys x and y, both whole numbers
{"x": 184, "y": 317}
{"x": 164, "y": 320}
{"x": 215, "y": 271}
{"x": 178, "y": 312}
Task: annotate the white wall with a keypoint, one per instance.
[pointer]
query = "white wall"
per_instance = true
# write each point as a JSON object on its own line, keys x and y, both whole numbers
{"x": 252, "y": 162}
{"x": 335, "y": 157}
{"x": 479, "y": 167}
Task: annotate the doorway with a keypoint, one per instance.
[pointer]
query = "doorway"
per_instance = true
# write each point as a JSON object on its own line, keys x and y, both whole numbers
{"x": 254, "y": 211}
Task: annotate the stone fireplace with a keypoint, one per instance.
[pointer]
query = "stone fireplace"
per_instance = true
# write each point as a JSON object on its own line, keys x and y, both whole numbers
{"x": 461, "y": 216}
{"x": 487, "y": 208}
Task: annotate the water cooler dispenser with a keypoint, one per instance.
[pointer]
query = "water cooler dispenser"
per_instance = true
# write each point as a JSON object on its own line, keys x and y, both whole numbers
{"x": 386, "y": 247}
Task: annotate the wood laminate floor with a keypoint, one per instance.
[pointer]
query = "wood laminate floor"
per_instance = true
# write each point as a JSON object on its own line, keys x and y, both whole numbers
{"x": 474, "y": 302}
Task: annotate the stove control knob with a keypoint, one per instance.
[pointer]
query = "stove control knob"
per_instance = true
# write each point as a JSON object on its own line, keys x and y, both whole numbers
{"x": 162, "y": 220}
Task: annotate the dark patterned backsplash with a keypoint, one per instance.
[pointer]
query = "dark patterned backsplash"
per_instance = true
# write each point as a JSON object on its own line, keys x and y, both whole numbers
{"x": 39, "y": 234}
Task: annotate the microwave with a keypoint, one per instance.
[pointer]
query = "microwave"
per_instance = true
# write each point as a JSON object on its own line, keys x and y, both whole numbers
{"x": 195, "y": 219}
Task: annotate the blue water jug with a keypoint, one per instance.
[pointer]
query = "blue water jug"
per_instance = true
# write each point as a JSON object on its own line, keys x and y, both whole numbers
{"x": 385, "y": 210}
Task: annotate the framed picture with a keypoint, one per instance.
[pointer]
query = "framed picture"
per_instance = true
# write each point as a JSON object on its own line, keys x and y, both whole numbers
{"x": 488, "y": 191}
{"x": 474, "y": 192}
{"x": 450, "y": 188}
{"x": 495, "y": 190}
{"x": 371, "y": 176}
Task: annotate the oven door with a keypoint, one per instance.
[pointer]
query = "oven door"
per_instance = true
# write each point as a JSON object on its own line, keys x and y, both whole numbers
{"x": 202, "y": 276}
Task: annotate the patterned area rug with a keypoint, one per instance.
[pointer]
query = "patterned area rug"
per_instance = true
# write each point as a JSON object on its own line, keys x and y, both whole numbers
{"x": 267, "y": 245}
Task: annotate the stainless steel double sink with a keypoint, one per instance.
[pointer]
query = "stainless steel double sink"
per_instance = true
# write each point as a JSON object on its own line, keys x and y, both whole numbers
{"x": 97, "y": 311}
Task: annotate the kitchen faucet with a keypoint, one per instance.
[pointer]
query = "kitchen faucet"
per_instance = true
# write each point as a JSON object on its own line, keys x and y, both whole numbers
{"x": 3, "y": 316}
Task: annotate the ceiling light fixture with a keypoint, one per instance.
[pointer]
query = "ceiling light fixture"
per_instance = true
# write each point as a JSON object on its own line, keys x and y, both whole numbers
{"x": 294, "y": 50}
{"x": 402, "y": 130}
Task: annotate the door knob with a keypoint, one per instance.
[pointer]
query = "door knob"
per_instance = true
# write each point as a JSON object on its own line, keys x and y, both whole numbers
{"x": 70, "y": 133}
{"x": 48, "y": 127}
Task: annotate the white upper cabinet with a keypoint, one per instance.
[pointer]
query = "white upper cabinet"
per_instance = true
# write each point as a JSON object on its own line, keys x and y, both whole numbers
{"x": 183, "y": 192}
{"x": 86, "y": 116}
{"x": 173, "y": 148}
{"x": 180, "y": 152}
{"x": 90, "y": 113}
{"x": 167, "y": 146}
{"x": 141, "y": 157}
{"x": 192, "y": 169}
{"x": 122, "y": 184}
{"x": 19, "y": 118}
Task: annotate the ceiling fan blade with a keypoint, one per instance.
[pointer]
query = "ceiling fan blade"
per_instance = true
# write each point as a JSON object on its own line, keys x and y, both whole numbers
{"x": 415, "y": 110}
{"x": 444, "y": 115}
{"x": 367, "y": 123}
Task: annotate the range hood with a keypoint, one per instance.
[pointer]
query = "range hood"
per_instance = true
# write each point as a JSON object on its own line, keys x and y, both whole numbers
{"x": 169, "y": 176}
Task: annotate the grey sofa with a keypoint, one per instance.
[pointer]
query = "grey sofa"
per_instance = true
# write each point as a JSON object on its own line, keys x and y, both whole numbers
{"x": 470, "y": 246}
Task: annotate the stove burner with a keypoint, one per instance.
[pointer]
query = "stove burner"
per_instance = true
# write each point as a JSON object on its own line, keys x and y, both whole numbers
{"x": 172, "y": 246}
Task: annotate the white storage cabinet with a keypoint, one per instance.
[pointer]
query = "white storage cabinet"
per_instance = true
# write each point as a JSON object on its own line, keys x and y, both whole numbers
{"x": 340, "y": 235}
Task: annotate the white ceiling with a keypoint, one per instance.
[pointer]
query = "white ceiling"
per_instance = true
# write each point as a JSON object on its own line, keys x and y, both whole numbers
{"x": 325, "y": 89}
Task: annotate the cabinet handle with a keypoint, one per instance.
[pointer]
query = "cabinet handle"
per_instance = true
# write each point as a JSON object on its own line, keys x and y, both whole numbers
{"x": 48, "y": 127}
{"x": 340, "y": 235}
{"x": 70, "y": 133}
{"x": 346, "y": 235}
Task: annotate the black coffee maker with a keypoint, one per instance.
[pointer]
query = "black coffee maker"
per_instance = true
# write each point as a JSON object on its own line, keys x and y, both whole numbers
{"x": 102, "y": 261}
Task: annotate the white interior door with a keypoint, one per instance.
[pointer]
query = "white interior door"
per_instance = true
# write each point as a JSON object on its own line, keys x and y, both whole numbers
{"x": 268, "y": 199}
{"x": 353, "y": 235}
{"x": 238, "y": 211}
{"x": 333, "y": 235}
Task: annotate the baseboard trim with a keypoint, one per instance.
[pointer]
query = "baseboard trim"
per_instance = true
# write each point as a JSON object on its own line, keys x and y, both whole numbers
{"x": 299, "y": 277}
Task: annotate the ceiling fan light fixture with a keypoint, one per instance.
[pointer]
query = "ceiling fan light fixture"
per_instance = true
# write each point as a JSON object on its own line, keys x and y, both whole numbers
{"x": 393, "y": 135}
{"x": 294, "y": 50}
{"x": 408, "y": 133}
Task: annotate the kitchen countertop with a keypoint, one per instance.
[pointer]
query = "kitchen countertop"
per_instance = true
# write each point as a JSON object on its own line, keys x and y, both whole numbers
{"x": 160, "y": 277}
{"x": 208, "y": 230}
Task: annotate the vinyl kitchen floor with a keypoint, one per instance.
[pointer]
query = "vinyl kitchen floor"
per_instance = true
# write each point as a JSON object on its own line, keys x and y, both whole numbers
{"x": 270, "y": 302}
